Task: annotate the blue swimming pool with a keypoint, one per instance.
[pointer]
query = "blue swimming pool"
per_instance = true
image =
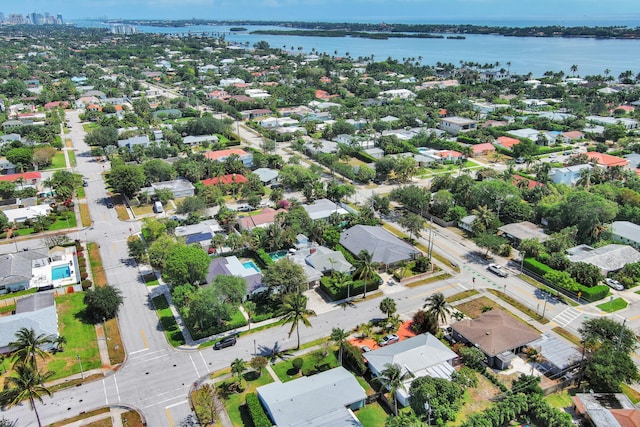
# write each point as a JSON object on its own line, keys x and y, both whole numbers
{"x": 251, "y": 266}
{"x": 60, "y": 272}
{"x": 277, "y": 255}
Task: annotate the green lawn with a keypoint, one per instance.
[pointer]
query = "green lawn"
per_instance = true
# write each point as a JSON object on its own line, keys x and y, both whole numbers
{"x": 559, "y": 400}
{"x": 80, "y": 193}
{"x": 72, "y": 158}
{"x": 19, "y": 293}
{"x": 372, "y": 415}
{"x": 81, "y": 339}
{"x": 62, "y": 223}
{"x": 613, "y": 305}
{"x": 169, "y": 324}
{"x": 284, "y": 370}
{"x": 234, "y": 402}
{"x": 58, "y": 161}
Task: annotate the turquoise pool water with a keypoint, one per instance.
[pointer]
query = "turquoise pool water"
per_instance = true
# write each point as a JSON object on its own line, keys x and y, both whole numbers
{"x": 60, "y": 272}
{"x": 277, "y": 255}
{"x": 251, "y": 265}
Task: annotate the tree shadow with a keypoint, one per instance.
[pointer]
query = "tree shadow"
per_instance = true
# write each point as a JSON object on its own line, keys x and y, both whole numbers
{"x": 86, "y": 317}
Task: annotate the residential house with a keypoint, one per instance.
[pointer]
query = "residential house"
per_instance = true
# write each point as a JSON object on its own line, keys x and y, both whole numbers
{"x": 606, "y": 160}
{"x": 24, "y": 179}
{"x": 519, "y": 231}
{"x": 609, "y": 258}
{"x": 323, "y": 208}
{"x": 449, "y": 155}
{"x": 420, "y": 356}
{"x": 384, "y": 247}
{"x": 568, "y": 175}
{"x": 172, "y": 113}
{"x": 222, "y": 155}
{"x": 200, "y": 140}
{"x": 231, "y": 81}
{"x": 606, "y": 409}
{"x": 234, "y": 178}
{"x": 572, "y": 136}
{"x": 263, "y": 219}
{"x": 232, "y": 266}
{"x": 255, "y": 114}
{"x": 20, "y": 215}
{"x": 326, "y": 260}
{"x": 626, "y": 232}
{"x": 324, "y": 399}
{"x": 6, "y": 167}
{"x": 37, "y": 312}
{"x": 142, "y": 141}
{"x": 466, "y": 223}
{"x": 376, "y": 153}
{"x": 629, "y": 124}
{"x": 200, "y": 233}
{"x": 397, "y": 94}
{"x": 10, "y": 125}
{"x": 522, "y": 182}
{"x": 484, "y": 149}
{"x": 179, "y": 188}
{"x": 455, "y": 125}
{"x": 499, "y": 335}
{"x": 17, "y": 269}
{"x": 273, "y": 122}
{"x": 5, "y": 139}
{"x": 506, "y": 142}
{"x": 556, "y": 116}
{"x": 527, "y": 133}
{"x": 267, "y": 176}
{"x": 559, "y": 356}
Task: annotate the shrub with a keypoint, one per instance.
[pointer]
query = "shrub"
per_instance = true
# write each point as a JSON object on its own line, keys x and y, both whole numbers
{"x": 264, "y": 257}
{"x": 258, "y": 416}
{"x": 593, "y": 294}
{"x": 297, "y": 364}
{"x": 352, "y": 359}
{"x": 86, "y": 284}
{"x": 83, "y": 275}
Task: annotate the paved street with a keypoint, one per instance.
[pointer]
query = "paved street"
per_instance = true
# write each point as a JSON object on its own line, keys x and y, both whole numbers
{"x": 156, "y": 378}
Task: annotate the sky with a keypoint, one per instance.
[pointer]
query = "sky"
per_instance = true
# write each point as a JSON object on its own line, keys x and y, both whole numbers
{"x": 566, "y": 12}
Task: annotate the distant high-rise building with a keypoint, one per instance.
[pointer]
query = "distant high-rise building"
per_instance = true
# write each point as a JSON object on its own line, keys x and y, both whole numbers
{"x": 123, "y": 29}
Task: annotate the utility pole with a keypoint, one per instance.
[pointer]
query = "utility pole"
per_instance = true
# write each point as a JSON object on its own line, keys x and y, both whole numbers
{"x": 624, "y": 322}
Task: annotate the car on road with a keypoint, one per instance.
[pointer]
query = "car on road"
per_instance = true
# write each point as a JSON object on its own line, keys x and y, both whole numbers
{"x": 614, "y": 284}
{"x": 85, "y": 183}
{"x": 225, "y": 342}
{"x": 110, "y": 205}
{"x": 389, "y": 339}
{"x": 245, "y": 208}
{"x": 365, "y": 349}
{"x": 497, "y": 269}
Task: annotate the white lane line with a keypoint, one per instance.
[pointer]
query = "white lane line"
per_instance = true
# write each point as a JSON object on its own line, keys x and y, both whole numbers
{"x": 204, "y": 362}
{"x": 138, "y": 351}
{"x": 115, "y": 382}
{"x": 177, "y": 404}
{"x": 194, "y": 365}
{"x": 104, "y": 386}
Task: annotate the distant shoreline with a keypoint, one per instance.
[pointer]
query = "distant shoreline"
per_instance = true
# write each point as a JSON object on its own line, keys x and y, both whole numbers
{"x": 383, "y": 30}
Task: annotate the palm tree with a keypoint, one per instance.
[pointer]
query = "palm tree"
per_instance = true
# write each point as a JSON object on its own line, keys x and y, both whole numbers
{"x": 238, "y": 367}
{"x": 250, "y": 308}
{"x": 338, "y": 335}
{"x": 574, "y": 69}
{"x": 388, "y": 306}
{"x": 28, "y": 347}
{"x": 26, "y": 383}
{"x": 59, "y": 342}
{"x": 392, "y": 378}
{"x": 533, "y": 357}
{"x": 438, "y": 307}
{"x": 295, "y": 311}
{"x": 366, "y": 268}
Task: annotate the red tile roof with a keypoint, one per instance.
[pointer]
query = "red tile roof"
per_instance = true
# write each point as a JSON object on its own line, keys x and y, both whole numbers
{"x": 482, "y": 148}
{"x": 606, "y": 160}
{"x": 27, "y": 176}
{"x": 225, "y": 179}
{"x": 531, "y": 184}
{"x": 507, "y": 142}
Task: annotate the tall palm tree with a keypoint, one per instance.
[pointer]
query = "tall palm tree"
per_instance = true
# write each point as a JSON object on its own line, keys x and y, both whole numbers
{"x": 28, "y": 347}
{"x": 338, "y": 335}
{"x": 388, "y": 306}
{"x": 26, "y": 383}
{"x": 392, "y": 378}
{"x": 438, "y": 307}
{"x": 238, "y": 367}
{"x": 366, "y": 268}
{"x": 296, "y": 311}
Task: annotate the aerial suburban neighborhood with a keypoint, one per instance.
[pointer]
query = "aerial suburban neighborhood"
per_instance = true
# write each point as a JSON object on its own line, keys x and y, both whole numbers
{"x": 195, "y": 231}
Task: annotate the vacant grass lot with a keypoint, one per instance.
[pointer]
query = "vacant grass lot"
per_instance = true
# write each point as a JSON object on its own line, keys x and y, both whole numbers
{"x": 58, "y": 161}
{"x": 81, "y": 339}
{"x": 613, "y": 305}
{"x": 474, "y": 307}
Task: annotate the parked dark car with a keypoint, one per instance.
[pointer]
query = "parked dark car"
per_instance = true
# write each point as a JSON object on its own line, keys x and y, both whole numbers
{"x": 110, "y": 205}
{"x": 225, "y": 342}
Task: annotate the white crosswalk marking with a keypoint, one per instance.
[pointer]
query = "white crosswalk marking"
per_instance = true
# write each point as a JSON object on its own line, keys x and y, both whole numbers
{"x": 566, "y": 317}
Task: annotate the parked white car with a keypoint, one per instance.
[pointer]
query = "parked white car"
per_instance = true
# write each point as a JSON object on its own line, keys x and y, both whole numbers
{"x": 614, "y": 284}
{"x": 497, "y": 269}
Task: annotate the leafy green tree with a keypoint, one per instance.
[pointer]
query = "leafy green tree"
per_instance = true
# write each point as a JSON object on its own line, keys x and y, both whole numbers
{"x": 157, "y": 170}
{"x": 159, "y": 251}
{"x": 490, "y": 242}
{"x": 127, "y": 179}
{"x": 26, "y": 382}
{"x": 28, "y": 347}
{"x": 102, "y": 136}
{"x": 137, "y": 249}
{"x": 338, "y": 335}
{"x": 102, "y": 303}
{"x": 438, "y": 307}
{"x": 393, "y": 379}
{"x": 186, "y": 264}
{"x": 204, "y": 310}
{"x": 423, "y": 322}
{"x": 388, "y": 306}
{"x": 232, "y": 289}
{"x": 607, "y": 368}
{"x": 531, "y": 248}
{"x": 4, "y": 221}
{"x": 296, "y": 312}
{"x": 20, "y": 156}
{"x": 607, "y": 331}
{"x": 472, "y": 357}
{"x": 408, "y": 419}
{"x": 413, "y": 223}
{"x": 586, "y": 274}
{"x": 444, "y": 398}
{"x": 192, "y": 204}
{"x": 258, "y": 363}
{"x": 285, "y": 277}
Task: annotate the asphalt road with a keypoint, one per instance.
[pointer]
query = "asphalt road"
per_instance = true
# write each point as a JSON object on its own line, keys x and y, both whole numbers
{"x": 156, "y": 378}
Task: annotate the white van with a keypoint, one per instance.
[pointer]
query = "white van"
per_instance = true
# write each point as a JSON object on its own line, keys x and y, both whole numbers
{"x": 157, "y": 207}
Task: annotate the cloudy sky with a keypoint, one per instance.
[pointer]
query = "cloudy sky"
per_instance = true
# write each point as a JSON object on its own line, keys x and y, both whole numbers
{"x": 455, "y": 11}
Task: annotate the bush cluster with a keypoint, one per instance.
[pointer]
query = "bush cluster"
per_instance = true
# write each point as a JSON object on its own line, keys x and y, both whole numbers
{"x": 258, "y": 416}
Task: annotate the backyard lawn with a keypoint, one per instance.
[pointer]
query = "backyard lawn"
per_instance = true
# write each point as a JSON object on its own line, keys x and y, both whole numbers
{"x": 81, "y": 339}
{"x": 168, "y": 321}
{"x": 372, "y": 415}
{"x": 58, "y": 161}
{"x": 235, "y": 402}
{"x": 312, "y": 361}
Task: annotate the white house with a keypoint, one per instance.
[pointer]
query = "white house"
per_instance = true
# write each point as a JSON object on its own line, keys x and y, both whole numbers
{"x": 568, "y": 175}
{"x": 626, "y": 232}
{"x": 455, "y": 125}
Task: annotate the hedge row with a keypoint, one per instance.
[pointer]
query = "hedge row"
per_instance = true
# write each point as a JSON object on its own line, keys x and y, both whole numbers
{"x": 589, "y": 294}
{"x": 264, "y": 257}
{"x": 258, "y": 416}
{"x": 356, "y": 288}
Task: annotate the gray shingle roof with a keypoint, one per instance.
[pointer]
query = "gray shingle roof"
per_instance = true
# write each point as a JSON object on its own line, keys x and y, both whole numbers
{"x": 606, "y": 258}
{"x": 383, "y": 246}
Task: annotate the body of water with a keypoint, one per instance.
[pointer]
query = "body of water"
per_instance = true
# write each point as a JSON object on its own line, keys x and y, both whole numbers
{"x": 526, "y": 54}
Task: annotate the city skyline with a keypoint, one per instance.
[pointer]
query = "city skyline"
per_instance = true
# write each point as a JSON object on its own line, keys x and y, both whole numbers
{"x": 565, "y": 12}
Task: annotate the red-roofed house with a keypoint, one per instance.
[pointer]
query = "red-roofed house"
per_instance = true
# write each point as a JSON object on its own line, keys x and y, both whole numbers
{"x": 226, "y": 179}
{"x": 530, "y": 183}
{"x": 218, "y": 94}
{"x": 606, "y": 160}
{"x": 56, "y": 104}
{"x": 449, "y": 155}
{"x": 572, "y": 136}
{"x": 483, "y": 149}
{"x": 322, "y": 94}
{"x": 28, "y": 178}
{"x": 263, "y": 219}
{"x": 507, "y": 142}
{"x": 222, "y": 155}
{"x": 625, "y": 108}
